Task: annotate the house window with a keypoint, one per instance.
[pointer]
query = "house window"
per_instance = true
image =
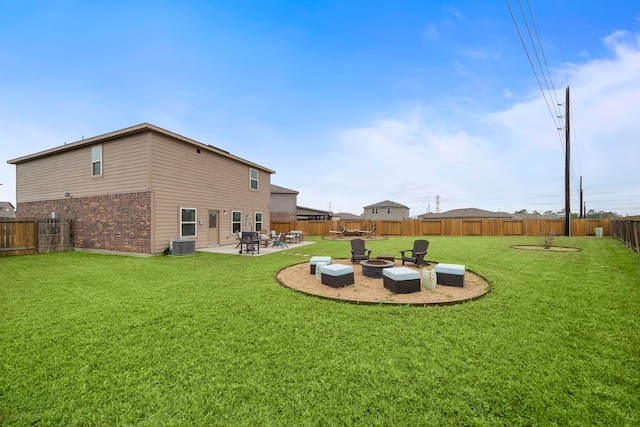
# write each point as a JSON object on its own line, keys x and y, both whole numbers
{"x": 236, "y": 221}
{"x": 258, "y": 221}
{"x": 374, "y": 210}
{"x": 187, "y": 222}
{"x": 96, "y": 160}
{"x": 253, "y": 179}
{"x": 388, "y": 210}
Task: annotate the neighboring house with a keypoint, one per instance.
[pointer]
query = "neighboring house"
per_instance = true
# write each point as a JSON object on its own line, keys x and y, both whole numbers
{"x": 465, "y": 213}
{"x": 343, "y": 216}
{"x": 534, "y": 216}
{"x": 284, "y": 204}
{"x": 136, "y": 189}
{"x": 284, "y": 207}
{"x": 386, "y": 210}
{"x": 313, "y": 214}
{"x": 7, "y": 210}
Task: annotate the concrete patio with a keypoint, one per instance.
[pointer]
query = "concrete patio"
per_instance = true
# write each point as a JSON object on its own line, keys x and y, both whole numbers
{"x": 234, "y": 250}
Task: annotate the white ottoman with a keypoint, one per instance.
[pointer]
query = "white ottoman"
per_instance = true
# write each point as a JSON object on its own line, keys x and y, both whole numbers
{"x": 337, "y": 275}
{"x": 315, "y": 260}
{"x": 450, "y": 274}
{"x": 401, "y": 280}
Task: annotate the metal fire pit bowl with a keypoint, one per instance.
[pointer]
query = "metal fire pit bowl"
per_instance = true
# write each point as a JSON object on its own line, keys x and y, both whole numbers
{"x": 373, "y": 267}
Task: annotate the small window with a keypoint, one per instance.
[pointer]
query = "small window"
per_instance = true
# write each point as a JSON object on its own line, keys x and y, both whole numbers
{"x": 388, "y": 210}
{"x": 258, "y": 221}
{"x": 236, "y": 221}
{"x": 253, "y": 179}
{"x": 187, "y": 222}
{"x": 213, "y": 219}
{"x": 374, "y": 210}
{"x": 96, "y": 160}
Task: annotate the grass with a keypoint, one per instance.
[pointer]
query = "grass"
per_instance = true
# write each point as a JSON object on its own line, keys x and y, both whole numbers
{"x": 211, "y": 339}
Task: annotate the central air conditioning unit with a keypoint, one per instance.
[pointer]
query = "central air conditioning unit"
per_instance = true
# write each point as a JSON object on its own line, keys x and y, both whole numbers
{"x": 183, "y": 247}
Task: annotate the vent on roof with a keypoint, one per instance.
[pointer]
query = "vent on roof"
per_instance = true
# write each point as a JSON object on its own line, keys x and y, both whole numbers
{"x": 183, "y": 247}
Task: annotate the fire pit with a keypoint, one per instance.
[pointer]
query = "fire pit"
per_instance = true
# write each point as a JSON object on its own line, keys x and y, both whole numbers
{"x": 373, "y": 267}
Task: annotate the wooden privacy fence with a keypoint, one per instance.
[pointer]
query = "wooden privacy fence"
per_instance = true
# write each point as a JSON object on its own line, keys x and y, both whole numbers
{"x": 628, "y": 231}
{"x": 28, "y": 237}
{"x": 452, "y": 227}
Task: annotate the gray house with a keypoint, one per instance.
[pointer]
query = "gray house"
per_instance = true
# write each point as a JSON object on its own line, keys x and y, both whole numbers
{"x": 284, "y": 207}
{"x": 386, "y": 210}
{"x": 7, "y": 210}
{"x": 466, "y": 213}
{"x": 284, "y": 204}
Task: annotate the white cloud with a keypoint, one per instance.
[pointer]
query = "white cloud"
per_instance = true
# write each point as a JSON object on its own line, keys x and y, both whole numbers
{"x": 512, "y": 159}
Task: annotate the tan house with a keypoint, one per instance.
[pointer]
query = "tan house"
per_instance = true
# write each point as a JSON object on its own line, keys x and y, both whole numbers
{"x": 386, "y": 210}
{"x": 136, "y": 189}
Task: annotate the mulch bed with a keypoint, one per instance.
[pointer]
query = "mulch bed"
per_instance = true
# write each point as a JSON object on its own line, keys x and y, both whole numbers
{"x": 549, "y": 249}
{"x": 367, "y": 290}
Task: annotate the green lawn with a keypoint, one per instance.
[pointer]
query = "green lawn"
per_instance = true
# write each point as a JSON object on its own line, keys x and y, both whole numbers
{"x": 211, "y": 339}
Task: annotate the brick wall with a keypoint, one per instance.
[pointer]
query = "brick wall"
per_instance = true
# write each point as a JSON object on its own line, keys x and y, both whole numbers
{"x": 283, "y": 216}
{"x": 116, "y": 222}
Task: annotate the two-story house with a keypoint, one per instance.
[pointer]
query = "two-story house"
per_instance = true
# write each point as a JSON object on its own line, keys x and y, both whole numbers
{"x": 386, "y": 210}
{"x": 7, "y": 210}
{"x": 136, "y": 189}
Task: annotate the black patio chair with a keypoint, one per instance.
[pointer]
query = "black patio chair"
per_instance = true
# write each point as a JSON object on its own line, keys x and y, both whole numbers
{"x": 417, "y": 253}
{"x": 358, "y": 251}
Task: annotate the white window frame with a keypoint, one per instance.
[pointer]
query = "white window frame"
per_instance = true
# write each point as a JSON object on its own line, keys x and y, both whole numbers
{"x": 257, "y": 221}
{"x": 184, "y": 222}
{"x": 253, "y": 180}
{"x": 388, "y": 210}
{"x": 234, "y": 222}
{"x": 96, "y": 160}
{"x": 374, "y": 210}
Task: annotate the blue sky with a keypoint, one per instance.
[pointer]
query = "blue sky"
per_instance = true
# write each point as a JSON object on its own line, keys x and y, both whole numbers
{"x": 350, "y": 102}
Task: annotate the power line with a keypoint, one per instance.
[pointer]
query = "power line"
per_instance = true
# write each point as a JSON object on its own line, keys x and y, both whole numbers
{"x": 533, "y": 68}
{"x": 550, "y": 95}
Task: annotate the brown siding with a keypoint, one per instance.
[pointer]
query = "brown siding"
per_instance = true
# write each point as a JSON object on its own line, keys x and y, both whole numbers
{"x": 184, "y": 178}
{"x": 124, "y": 163}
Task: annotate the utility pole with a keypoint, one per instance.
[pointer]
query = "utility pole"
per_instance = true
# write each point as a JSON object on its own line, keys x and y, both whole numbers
{"x": 437, "y": 204}
{"x": 567, "y": 168}
{"x": 582, "y": 213}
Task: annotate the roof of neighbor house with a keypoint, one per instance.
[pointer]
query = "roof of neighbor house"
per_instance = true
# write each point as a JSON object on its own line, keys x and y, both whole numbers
{"x": 311, "y": 211}
{"x": 466, "y": 213}
{"x": 534, "y": 216}
{"x": 347, "y": 215}
{"x": 143, "y": 127}
{"x": 386, "y": 204}
{"x": 276, "y": 189}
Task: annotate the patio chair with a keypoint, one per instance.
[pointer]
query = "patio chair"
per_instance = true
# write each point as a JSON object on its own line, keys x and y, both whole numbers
{"x": 338, "y": 232}
{"x": 358, "y": 251}
{"x": 281, "y": 241}
{"x": 417, "y": 253}
{"x": 369, "y": 233}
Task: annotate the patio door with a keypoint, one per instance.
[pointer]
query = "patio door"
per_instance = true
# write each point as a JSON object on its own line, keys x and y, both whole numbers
{"x": 212, "y": 233}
